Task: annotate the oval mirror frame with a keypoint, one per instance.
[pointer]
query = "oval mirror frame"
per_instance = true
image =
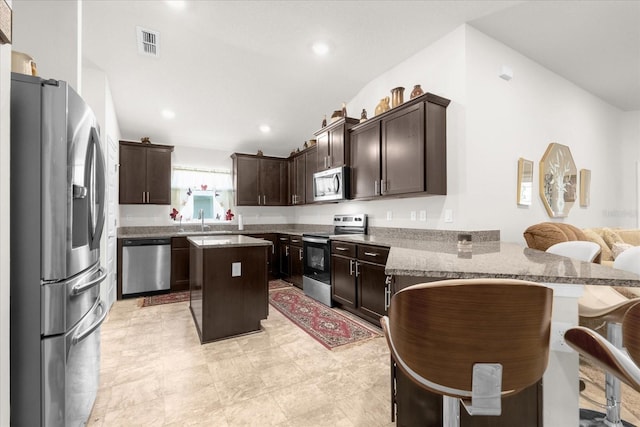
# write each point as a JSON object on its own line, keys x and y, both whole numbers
{"x": 558, "y": 180}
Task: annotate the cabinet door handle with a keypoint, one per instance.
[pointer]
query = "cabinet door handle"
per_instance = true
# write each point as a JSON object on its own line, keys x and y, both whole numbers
{"x": 286, "y": 250}
{"x": 148, "y": 197}
{"x": 350, "y": 267}
{"x": 357, "y": 271}
{"x": 258, "y": 199}
{"x": 375, "y": 187}
{"x": 300, "y": 253}
{"x": 264, "y": 199}
{"x": 371, "y": 254}
{"x": 340, "y": 248}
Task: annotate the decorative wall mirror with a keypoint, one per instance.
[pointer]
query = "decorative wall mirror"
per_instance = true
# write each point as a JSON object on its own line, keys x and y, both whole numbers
{"x": 585, "y": 187}
{"x": 525, "y": 182}
{"x": 558, "y": 180}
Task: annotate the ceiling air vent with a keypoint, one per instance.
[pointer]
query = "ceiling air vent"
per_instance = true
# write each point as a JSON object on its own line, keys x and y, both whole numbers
{"x": 148, "y": 42}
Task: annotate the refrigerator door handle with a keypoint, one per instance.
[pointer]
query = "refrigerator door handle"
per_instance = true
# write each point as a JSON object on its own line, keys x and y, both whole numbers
{"x": 78, "y": 289}
{"x": 84, "y": 334}
{"x": 100, "y": 189}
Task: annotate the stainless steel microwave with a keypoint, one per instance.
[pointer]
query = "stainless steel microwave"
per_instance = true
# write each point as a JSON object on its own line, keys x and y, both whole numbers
{"x": 331, "y": 184}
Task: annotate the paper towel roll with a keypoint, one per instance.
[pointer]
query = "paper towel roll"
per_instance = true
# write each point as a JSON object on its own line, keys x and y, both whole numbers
{"x": 240, "y": 223}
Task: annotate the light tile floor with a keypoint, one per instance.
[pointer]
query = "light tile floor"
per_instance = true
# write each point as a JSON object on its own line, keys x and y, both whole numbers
{"x": 154, "y": 372}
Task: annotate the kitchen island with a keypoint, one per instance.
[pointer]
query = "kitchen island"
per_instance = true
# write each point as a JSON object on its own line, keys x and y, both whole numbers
{"x": 228, "y": 285}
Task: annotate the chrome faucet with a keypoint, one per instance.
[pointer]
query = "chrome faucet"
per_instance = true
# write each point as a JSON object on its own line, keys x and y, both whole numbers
{"x": 201, "y": 217}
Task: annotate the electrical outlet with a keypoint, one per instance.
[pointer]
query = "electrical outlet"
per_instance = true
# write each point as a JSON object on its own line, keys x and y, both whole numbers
{"x": 448, "y": 215}
{"x": 557, "y": 342}
{"x": 423, "y": 215}
{"x": 389, "y": 215}
{"x": 413, "y": 215}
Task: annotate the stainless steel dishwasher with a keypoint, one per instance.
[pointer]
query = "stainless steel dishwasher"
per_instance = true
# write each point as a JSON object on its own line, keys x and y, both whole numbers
{"x": 146, "y": 265}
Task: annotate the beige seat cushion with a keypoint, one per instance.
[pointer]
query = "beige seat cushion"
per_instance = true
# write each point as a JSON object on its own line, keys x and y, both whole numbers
{"x": 593, "y": 236}
{"x": 631, "y": 237}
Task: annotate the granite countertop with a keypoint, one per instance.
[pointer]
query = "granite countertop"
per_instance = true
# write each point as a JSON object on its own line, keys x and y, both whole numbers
{"x": 232, "y": 240}
{"x": 165, "y": 232}
{"x": 498, "y": 260}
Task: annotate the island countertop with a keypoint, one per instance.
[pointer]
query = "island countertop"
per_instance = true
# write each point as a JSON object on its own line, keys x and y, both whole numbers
{"x": 224, "y": 241}
{"x": 438, "y": 259}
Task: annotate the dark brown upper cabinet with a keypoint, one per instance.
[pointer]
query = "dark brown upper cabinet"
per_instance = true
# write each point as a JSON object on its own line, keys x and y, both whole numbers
{"x": 260, "y": 180}
{"x": 145, "y": 173}
{"x": 333, "y": 143}
{"x": 402, "y": 151}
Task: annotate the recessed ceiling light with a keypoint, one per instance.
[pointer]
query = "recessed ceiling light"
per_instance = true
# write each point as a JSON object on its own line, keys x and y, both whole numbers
{"x": 320, "y": 48}
{"x": 265, "y": 128}
{"x": 168, "y": 114}
{"x": 177, "y": 4}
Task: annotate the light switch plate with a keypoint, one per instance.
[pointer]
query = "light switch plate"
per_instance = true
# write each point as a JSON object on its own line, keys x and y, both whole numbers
{"x": 236, "y": 269}
{"x": 423, "y": 215}
{"x": 389, "y": 215}
{"x": 413, "y": 215}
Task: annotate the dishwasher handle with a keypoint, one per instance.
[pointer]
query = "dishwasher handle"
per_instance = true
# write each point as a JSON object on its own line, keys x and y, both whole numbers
{"x": 146, "y": 242}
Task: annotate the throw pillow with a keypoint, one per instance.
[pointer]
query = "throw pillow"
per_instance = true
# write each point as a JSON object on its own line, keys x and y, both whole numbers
{"x": 541, "y": 236}
{"x": 618, "y": 248}
{"x": 611, "y": 237}
{"x": 605, "y": 250}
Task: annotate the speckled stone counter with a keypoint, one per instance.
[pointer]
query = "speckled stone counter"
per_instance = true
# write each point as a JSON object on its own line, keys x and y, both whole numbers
{"x": 228, "y": 241}
{"x": 139, "y": 232}
{"x": 443, "y": 259}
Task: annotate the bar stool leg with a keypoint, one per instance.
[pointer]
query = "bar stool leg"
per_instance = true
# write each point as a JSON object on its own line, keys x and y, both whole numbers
{"x": 612, "y": 383}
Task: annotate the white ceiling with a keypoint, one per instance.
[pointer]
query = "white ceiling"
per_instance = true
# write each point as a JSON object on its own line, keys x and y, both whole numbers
{"x": 226, "y": 67}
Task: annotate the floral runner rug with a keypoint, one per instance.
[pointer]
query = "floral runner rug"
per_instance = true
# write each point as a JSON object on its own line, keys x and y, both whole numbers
{"x": 164, "y": 299}
{"x": 326, "y": 325}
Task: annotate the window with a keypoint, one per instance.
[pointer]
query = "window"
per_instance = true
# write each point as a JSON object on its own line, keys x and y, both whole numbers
{"x": 196, "y": 190}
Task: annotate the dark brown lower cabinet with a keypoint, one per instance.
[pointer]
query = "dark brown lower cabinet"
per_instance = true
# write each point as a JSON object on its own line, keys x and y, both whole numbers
{"x": 358, "y": 281}
{"x": 179, "y": 264}
{"x": 416, "y": 407}
{"x": 296, "y": 256}
{"x": 273, "y": 255}
{"x": 224, "y": 304}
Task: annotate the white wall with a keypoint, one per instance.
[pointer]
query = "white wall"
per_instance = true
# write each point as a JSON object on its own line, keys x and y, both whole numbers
{"x": 490, "y": 124}
{"x": 519, "y": 118}
{"x": 5, "y": 144}
{"x": 629, "y": 203}
{"x": 58, "y": 55}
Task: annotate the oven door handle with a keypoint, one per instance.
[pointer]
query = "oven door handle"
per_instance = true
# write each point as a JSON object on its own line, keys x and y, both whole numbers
{"x": 84, "y": 334}
{"x": 315, "y": 240}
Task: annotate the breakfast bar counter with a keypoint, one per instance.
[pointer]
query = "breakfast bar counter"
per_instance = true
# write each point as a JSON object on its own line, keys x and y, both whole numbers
{"x": 413, "y": 261}
{"x": 228, "y": 285}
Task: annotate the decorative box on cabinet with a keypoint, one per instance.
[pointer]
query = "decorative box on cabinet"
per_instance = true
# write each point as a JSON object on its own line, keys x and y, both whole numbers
{"x": 145, "y": 173}
{"x": 333, "y": 143}
{"x": 402, "y": 151}
{"x": 260, "y": 180}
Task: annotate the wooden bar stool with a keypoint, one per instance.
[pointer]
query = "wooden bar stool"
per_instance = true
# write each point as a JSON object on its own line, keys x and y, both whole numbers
{"x": 613, "y": 360}
{"x": 473, "y": 341}
{"x": 604, "y": 304}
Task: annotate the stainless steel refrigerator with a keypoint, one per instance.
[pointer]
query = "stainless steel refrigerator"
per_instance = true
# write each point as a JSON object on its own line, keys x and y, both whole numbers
{"x": 57, "y": 217}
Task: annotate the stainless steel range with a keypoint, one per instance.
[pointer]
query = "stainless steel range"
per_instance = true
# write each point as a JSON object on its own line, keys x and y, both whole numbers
{"x": 316, "y": 281}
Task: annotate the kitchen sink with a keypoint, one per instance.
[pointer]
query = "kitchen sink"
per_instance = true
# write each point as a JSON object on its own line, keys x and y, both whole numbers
{"x": 204, "y": 233}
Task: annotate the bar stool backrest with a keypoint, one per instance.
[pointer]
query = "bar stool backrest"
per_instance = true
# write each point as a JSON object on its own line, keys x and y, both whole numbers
{"x": 631, "y": 332}
{"x": 439, "y": 330}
